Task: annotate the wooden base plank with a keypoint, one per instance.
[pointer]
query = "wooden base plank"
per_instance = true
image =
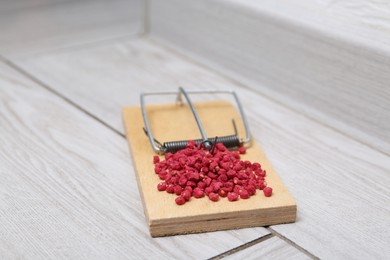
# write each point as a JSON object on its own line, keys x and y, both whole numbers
{"x": 175, "y": 122}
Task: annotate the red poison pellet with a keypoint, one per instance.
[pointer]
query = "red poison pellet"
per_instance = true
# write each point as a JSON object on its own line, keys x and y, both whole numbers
{"x": 216, "y": 174}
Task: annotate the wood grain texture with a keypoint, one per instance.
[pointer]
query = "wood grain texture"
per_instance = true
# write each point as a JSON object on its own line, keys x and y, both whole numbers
{"x": 340, "y": 185}
{"x": 68, "y": 190}
{"x": 174, "y": 122}
{"x": 372, "y": 15}
{"x": 364, "y": 21}
{"x": 273, "y": 248}
{"x": 310, "y": 57}
{"x": 67, "y": 23}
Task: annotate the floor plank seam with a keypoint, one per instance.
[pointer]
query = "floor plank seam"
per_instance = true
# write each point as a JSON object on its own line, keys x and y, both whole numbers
{"x": 292, "y": 243}
{"x": 182, "y": 55}
{"x": 242, "y": 247}
{"x": 80, "y": 45}
{"x": 56, "y": 93}
{"x": 37, "y": 6}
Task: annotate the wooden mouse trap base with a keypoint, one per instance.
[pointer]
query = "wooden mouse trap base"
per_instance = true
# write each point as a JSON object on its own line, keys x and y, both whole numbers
{"x": 174, "y": 122}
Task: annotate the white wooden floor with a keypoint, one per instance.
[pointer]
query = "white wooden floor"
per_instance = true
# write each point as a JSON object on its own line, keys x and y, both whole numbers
{"x": 68, "y": 188}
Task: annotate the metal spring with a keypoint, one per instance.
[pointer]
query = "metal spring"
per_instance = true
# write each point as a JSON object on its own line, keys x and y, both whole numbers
{"x": 229, "y": 141}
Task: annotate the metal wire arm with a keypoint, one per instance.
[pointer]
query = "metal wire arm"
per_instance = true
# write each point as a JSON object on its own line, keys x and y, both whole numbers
{"x": 173, "y": 146}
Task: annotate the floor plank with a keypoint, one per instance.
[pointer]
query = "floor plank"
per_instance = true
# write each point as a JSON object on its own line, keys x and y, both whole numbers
{"x": 67, "y": 23}
{"x": 273, "y": 248}
{"x": 68, "y": 188}
{"x": 340, "y": 185}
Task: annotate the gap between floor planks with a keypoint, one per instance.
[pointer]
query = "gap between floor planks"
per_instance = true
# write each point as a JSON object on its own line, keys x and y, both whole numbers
{"x": 102, "y": 122}
{"x": 244, "y": 246}
{"x": 265, "y": 247}
{"x": 292, "y": 243}
{"x": 273, "y": 234}
{"x": 55, "y": 92}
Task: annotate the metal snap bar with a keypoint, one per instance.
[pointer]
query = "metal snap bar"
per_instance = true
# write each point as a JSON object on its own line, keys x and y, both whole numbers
{"x": 229, "y": 141}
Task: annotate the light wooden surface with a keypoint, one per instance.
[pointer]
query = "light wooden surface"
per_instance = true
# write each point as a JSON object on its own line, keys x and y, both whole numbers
{"x": 28, "y": 27}
{"x": 163, "y": 216}
{"x": 329, "y": 60}
{"x": 340, "y": 185}
{"x": 68, "y": 187}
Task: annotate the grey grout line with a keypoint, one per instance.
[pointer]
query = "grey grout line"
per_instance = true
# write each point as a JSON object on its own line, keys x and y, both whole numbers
{"x": 243, "y": 246}
{"x": 67, "y": 100}
{"x": 292, "y": 243}
{"x": 262, "y": 239}
{"x": 188, "y": 58}
{"x": 35, "y": 6}
{"x": 74, "y": 47}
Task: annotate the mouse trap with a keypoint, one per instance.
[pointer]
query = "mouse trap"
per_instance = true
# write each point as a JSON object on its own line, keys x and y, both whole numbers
{"x": 160, "y": 129}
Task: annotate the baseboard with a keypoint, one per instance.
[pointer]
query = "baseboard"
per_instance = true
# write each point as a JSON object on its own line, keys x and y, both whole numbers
{"x": 335, "y": 75}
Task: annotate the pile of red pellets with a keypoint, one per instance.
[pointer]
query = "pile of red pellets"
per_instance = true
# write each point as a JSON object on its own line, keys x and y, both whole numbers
{"x": 197, "y": 172}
